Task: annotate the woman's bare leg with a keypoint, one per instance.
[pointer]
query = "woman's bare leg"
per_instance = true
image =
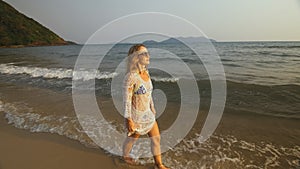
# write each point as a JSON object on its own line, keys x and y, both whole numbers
{"x": 127, "y": 146}
{"x": 155, "y": 145}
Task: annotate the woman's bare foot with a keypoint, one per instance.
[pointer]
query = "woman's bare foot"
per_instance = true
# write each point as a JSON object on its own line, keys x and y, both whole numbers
{"x": 160, "y": 166}
{"x": 129, "y": 160}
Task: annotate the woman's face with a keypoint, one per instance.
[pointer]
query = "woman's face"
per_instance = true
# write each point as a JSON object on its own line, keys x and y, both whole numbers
{"x": 144, "y": 57}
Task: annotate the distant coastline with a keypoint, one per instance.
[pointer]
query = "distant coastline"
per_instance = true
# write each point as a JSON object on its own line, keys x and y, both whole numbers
{"x": 171, "y": 40}
{"x": 37, "y": 45}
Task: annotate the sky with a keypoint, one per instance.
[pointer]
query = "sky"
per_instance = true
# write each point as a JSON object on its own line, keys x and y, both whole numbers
{"x": 222, "y": 20}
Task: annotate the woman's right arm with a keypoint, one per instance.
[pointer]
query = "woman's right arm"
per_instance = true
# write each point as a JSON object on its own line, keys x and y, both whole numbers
{"x": 127, "y": 99}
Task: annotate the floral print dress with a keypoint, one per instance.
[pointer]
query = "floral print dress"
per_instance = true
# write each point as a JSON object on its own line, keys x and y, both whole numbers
{"x": 137, "y": 100}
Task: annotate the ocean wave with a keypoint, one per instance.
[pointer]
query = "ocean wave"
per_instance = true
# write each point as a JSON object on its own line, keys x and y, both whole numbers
{"x": 59, "y": 73}
{"x": 165, "y": 79}
{"x": 226, "y": 60}
{"x": 62, "y": 73}
{"x": 287, "y": 47}
{"x": 284, "y": 55}
{"x": 283, "y": 46}
{"x": 271, "y": 53}
{"x": 21, "y": 116}
{"x": 231, "y": 65}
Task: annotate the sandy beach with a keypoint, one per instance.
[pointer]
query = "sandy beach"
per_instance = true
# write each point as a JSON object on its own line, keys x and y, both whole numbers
{"x": 22, "y": 149}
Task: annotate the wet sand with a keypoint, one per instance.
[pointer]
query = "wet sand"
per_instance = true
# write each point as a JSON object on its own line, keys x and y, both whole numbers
{"x": 22, "y": 149}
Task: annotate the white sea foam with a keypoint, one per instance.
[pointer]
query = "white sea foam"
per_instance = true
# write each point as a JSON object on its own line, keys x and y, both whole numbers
{"x": 165, "y": 79}
{"x": 21, "y": 116}
{"x": 58, "y": 73}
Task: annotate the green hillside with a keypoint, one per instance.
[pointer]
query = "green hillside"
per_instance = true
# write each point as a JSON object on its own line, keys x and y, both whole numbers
{"x": 17, "y": 30}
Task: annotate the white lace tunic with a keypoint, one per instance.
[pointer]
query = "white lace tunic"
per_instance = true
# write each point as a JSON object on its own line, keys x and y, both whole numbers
{"x": 137, "y": 100}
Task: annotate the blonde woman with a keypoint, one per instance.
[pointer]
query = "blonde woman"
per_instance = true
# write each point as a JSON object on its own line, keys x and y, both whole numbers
{"x": 138, "y": 104}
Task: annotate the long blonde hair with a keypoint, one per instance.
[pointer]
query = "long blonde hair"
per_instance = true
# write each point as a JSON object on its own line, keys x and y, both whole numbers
{"x": 133, "y": 60}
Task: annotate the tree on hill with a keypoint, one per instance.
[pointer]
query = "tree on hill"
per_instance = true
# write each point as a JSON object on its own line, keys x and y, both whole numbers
{"x": 18, "y": 29}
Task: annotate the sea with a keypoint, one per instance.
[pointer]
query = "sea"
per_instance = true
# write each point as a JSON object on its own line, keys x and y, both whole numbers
{"x": 259, "y": 126}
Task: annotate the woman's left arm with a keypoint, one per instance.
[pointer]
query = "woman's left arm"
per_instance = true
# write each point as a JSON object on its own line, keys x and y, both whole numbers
{"x": 152, "y": 106}
{"x": 151, "y": 98}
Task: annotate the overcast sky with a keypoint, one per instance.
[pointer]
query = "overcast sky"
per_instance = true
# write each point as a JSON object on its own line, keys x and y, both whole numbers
{"x": 223, "y": 20}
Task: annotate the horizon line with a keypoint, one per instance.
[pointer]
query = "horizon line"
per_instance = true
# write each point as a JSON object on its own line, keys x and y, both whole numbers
{"x": 217, "y": 41}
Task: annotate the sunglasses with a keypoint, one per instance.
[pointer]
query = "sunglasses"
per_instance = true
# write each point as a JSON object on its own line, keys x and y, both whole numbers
{"x": 144, "y": 54}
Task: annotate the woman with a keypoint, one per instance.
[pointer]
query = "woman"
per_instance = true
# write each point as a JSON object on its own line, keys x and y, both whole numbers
{"x": 138, "y": 105}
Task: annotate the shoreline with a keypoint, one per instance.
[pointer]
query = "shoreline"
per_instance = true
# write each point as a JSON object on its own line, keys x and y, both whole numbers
{"x": 23, "y": 149}
{"x": 38, "y": 45}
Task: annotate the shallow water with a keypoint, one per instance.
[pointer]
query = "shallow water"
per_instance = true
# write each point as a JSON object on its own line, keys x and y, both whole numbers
{"x": 259, "y": 128}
